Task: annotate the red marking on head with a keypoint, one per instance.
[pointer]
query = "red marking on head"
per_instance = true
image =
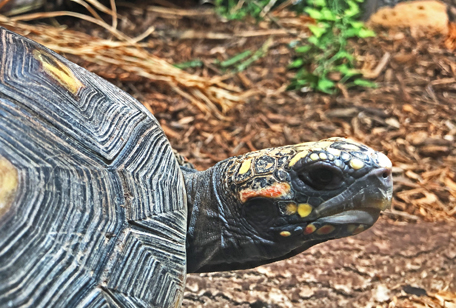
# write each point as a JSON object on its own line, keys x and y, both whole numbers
{"x": 274, "y": 191}
{"x": 325, "y": 229}
{"x": 309, "y": 229}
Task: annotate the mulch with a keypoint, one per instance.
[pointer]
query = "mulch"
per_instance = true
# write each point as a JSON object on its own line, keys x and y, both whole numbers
{"x": 410, "y": 116}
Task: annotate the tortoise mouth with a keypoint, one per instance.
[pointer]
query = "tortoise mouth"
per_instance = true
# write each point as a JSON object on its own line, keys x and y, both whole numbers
{"x": 365, "y": 216}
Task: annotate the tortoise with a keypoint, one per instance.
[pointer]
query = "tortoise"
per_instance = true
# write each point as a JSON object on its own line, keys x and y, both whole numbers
{"x": 96, "y": 210}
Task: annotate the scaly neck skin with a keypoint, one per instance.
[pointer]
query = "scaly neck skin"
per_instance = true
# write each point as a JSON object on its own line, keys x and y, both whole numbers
{"x": 216, "y": 238}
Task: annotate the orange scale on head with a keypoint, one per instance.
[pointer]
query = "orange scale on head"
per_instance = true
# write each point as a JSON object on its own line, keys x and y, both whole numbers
{"x": 310, "y": 229}
{"x": 273, "y": 191}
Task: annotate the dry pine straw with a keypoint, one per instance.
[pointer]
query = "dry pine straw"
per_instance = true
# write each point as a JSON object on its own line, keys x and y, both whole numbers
{"x": 410, "y": 116}
{"x": 210, "y": 95}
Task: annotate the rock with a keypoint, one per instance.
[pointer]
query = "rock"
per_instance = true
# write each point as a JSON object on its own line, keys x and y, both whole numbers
{"x": 427, "y": 16}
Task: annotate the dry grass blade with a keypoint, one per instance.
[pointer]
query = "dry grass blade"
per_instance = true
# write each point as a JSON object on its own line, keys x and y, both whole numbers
{"x": 88, "y": 8}
{"x": 178, "y": 12}
{"x": 35, "y": 16}
{"x": 211, "y": 96}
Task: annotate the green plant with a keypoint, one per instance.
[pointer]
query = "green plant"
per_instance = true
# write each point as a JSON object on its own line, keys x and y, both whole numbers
{"x": 325, "y": 60}
{"x": 239, "y": 9}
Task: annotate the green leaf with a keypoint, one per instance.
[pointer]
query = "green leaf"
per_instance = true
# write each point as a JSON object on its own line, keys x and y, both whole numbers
{"x": 296, "y": 63}
{"x": 342, "y": 54}
{"x": 317, "y": 31}
{"x": 303, "y": 49}
{"x": 343, "y": 68}
{"x": 236, "y": 58}
{"x": 356, "y": 24}
{"x": 365, "y": 83}
{"x": 313, "y": 40}
{"x": 352, "y": 32}
{"x": 193, "y": 63}
{"x": 353, "y": 9}
{"x": 325, "y": 85}
{"x": 315, "y": 14}
{"x": 346, "y": 71}
{"x": 327, "y": 14}
{"x": 366, "y": 33}
{"x": 319, "y": 3}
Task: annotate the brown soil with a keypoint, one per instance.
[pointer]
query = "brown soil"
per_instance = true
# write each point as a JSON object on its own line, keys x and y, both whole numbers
{"x": 390, "y": 265}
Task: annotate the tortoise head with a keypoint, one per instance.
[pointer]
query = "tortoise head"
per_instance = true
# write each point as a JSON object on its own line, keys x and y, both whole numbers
{"x": 275, "y": 203}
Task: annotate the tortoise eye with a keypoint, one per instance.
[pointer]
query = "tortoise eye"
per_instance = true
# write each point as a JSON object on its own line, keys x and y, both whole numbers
{"x": 322, "y": 177}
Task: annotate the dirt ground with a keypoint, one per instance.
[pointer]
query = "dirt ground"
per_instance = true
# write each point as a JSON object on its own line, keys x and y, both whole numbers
{"x": 408, "y": 258}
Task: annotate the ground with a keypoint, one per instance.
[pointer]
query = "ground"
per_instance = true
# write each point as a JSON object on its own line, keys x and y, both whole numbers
{"x": 408, "y": 258}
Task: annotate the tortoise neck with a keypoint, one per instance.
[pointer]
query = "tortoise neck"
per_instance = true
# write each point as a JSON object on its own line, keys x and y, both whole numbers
{"x": 217, "y": 240}
{"x": 205, "y": 220}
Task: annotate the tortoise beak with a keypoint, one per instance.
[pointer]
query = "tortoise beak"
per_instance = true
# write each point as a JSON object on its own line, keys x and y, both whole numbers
{"x": 363, "y": 202}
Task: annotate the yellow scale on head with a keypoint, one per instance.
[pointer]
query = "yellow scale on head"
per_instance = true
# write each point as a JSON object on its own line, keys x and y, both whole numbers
{"x": 245, "y": 167}
{"x": 291, "y": 209}
{"x": 304, "y": 149}
{"x": 298, "y": 157}
{"x": 356, "y": 163}
{"x": 304, "y": 209}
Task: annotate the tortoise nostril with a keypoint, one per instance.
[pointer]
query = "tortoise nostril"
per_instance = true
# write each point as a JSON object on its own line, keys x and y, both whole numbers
{"x": 386, "y": 174}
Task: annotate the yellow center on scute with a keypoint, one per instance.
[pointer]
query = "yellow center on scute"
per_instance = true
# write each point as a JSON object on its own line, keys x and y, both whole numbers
{"x": 58, "y": 71}
{"x": 8, "y": 184}
{"x": 334, "y": 152}
{"x": 245, "y": 167}
{"x": 285, "y": 233}
{"x": 304, "y": 209}
{"x": 324, "y": 144}
{"x": 298, "y": 157}
{"x": 356, "y": 163}
{"x": 291, "y": 208}
{"x": 314, "y": 156}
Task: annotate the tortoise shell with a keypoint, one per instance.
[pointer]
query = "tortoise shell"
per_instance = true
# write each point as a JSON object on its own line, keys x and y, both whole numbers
{"x": 92, "y": 200}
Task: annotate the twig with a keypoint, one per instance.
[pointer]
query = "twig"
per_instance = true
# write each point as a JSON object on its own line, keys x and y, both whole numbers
{"x": 3, "y": 3}
{"x": 283, "y": 6}
{"x": 179, "y": 12}
{"x": 114, "y": 13}
{"x": 379, "y": 68}
{"x": 267, "y": 8}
